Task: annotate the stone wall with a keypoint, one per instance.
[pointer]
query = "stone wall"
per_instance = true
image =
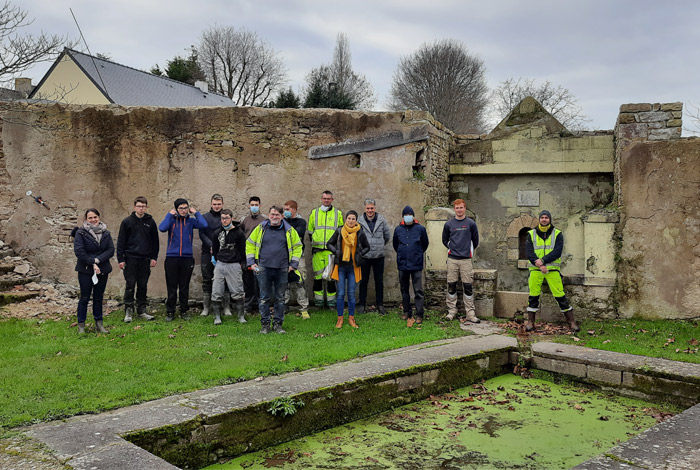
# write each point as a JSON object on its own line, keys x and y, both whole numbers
{"x": 77, "y": 157}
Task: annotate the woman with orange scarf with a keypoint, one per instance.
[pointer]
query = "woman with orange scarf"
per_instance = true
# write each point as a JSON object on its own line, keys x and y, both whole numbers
{"x": 349, "y": 244}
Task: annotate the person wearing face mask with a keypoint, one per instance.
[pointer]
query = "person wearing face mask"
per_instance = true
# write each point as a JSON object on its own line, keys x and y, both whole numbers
{"x": 93, "y": 247}
{"x": 250, "y": 281}
{"x": 272, "y": 252}
{"x": 180, "y": 223}
{"x": 544, "y": 246}
{"x": 349, "y": 244}
{"x": 323, "y": 222}
{"x": 228, "y": 257}
{"x": 296, "y": 279}
{"x": 410, "y": 243}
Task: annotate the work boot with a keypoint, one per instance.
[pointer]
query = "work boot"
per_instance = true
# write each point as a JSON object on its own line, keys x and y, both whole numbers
{"x": 277, "y": 328}
{"x": 100, "y": 328}
{"x": 450, "y": 316}
{"x": 227, "y": 306}
{"x": 339, "y": 323}
{"x": 265, "y": 329}
{"x": 240, "y": 310}
{"x": 381, "y": 310}
{"x": 206, "y": 302}
{"x": 143, "y": 315}
{"x": 216, "y": 308}
{"x": 128, "y": 313}
{"x": 184, "y": 315}
{"x": 469, "y": 308}
{"x": 569, "y": 315}
{"x": 169, "y": 316}
{"x": 471, "y": 316}
{"x": 530, "y": 323}
{"x": 81, "y": 328}
{"x": 305, "y": 315}
{"x": 360, "y": 309}
{"x": 351, "y": 320}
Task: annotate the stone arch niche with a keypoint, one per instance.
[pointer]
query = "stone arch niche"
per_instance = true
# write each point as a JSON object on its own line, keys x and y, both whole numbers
{"x": 516, "y": 235}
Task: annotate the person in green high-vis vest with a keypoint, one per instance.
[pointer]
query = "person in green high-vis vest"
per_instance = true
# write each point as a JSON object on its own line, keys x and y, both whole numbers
{"x": 544, "y": 246}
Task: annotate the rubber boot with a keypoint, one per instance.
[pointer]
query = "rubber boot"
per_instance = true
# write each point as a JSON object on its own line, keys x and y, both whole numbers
{"x": 169, "y": 316}
{"x": 530, "y": 323}
{"x": 216, "y": 308}
{"x": 240, "y": 310}
{"x": 206, "y": 302}
{"x": 227, "y": 306}
{"x": 572, "y": 323}
{"x": 81, "y": 328}
{"x": 100, "y": 328}
{"x": 128, "y": 314}
{"x": 339, "y": 323}
{"x": 143, "y": 315}
{"x": 351, "y": 320}
{"x": 277, "y": 328}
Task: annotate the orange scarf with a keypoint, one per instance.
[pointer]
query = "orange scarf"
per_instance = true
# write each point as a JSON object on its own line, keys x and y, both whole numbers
{"x": 349, "y": 245}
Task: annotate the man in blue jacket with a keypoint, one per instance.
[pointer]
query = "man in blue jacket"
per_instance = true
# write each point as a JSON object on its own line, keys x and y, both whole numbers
{"x": 410, "y": 242}
{"x": 179, "y": 261}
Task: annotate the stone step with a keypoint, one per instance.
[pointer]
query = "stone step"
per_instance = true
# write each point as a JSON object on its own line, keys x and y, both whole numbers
{"x": 6, "y": 267}
{"x": 13, "y": 297}
{"x": 10, "y": 280}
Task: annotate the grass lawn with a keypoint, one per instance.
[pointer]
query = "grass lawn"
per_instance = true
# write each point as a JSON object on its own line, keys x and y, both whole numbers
{"x": 677, "y": 340}
{"x": 48, "y": 372}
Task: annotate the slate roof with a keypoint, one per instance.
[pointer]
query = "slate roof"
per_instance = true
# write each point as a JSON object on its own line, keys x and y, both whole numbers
{"x": 131, "y": 87}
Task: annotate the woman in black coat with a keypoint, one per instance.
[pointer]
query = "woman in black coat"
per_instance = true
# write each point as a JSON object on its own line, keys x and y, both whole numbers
{"x": 93, "y": 247}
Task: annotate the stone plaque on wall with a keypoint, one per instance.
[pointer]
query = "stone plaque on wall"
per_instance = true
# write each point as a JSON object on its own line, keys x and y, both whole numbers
{"x": 528, "y": 198}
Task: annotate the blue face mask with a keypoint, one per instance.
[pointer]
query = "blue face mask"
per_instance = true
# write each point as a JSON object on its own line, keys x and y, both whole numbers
{"x": 287, "y": 214}
{"x": 408, "y": 219}
{"x": 254, "y": 209}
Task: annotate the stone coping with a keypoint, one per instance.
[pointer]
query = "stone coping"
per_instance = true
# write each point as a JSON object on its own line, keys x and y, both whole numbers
{"x": 94, "y": 442}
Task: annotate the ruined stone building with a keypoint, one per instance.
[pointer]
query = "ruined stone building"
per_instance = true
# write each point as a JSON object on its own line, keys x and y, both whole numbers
{"x": 626, "y": 199}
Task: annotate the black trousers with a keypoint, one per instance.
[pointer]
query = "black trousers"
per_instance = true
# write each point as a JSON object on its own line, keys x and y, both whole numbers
{"x": 136, "y": 274}
{"x": 252, "y": 290}
{"x": 376, "y": 265}
{"x": 405, "y": 278}
{"x": 178, "y": 272}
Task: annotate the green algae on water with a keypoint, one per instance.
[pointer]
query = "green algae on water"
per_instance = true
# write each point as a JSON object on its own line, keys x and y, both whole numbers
{"x": 505, "y": 423}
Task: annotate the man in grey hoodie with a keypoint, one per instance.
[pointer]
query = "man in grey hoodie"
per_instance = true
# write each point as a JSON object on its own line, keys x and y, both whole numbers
{"x": 377, "y": 231}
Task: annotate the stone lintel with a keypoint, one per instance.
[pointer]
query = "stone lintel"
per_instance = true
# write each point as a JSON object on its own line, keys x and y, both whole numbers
{"x": 635, "y": 107}
{"x": 533, "y": 168}
{"x": 387, "y": 140}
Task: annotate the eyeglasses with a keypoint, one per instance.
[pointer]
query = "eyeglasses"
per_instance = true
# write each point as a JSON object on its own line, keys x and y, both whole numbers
{"x": 186, "y": 208}
{"x": 140, "y": 206}
{"x": 224, "y": 217}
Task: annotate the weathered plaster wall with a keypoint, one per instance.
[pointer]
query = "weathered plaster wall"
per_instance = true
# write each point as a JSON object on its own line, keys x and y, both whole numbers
{"x": 659, "y": 258}
{"x": 79, "y": 157}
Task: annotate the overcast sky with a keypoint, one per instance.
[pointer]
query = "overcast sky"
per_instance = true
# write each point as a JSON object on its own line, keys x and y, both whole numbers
{"x": 606, "y": 52}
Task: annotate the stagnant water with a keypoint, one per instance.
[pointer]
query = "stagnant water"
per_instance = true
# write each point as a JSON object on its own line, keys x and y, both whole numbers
{"x": 505, "y": 423}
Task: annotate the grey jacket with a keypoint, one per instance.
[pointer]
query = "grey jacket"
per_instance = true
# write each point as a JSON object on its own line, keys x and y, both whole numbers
{"x": 378, "y": 238}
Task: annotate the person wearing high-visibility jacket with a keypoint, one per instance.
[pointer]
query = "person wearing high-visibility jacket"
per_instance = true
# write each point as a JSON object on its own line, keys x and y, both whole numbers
{"x": 544, "y": 246}
{"x": 323, "y": 222}
{"x": 273, "y": 251}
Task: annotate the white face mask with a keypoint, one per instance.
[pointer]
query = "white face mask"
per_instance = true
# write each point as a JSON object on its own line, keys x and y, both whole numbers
{"x": 324, "y": 208}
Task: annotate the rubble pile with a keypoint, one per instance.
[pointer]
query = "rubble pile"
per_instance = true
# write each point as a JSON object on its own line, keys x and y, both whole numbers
{"x": 24, "y": 294}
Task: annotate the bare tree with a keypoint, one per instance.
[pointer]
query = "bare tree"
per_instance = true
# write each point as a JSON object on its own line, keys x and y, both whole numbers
{"x": 337, "y": 85}
{"x": 444, "y": 79}
{"x": 18, "y": 51}
{"x": 240, "y": 65}
{"x": 557, "y": 100}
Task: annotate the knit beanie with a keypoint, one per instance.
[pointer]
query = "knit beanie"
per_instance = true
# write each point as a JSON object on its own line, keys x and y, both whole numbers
{"x": 547, "y": 213}
{"x": 408, "y": 210}
{"x": 180, "y": 201}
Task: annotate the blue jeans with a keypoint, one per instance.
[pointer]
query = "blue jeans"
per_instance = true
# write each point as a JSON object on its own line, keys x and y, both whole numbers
{"x": 346, "y": 274}
{"x": 273, "y": 285}
{"x": 97, "y": 291}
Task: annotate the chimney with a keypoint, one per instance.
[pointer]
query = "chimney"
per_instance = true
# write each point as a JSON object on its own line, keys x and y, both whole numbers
{"x": 202, "y": 85}
{"x": 24, "y": 86}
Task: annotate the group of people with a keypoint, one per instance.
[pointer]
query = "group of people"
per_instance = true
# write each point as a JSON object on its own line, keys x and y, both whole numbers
{"x": 257, "y": 263}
